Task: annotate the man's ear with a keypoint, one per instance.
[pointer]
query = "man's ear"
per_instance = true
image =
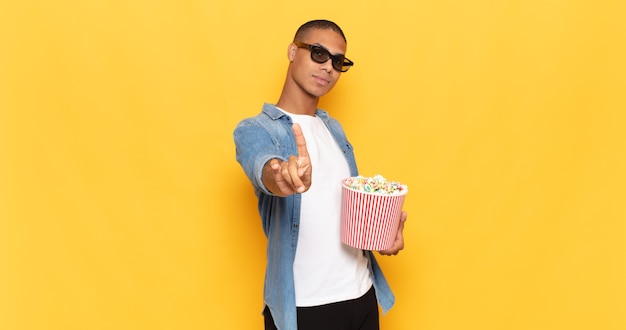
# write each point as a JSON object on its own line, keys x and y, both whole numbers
{"x": 291, "y": 51}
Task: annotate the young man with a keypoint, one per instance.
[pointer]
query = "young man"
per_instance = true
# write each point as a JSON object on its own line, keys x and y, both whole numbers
{"x": 295, "y": 156}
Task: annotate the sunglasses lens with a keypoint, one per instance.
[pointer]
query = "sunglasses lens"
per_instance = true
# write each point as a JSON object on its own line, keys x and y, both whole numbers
{"x": 319, "y": 54}
{"x": 338, "y": 63}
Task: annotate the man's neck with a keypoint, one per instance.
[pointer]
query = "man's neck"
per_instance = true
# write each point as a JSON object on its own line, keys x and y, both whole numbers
{"x": 296, "y": 101}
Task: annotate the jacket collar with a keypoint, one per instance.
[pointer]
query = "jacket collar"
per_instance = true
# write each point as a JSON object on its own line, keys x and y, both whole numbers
{"x": 272, "y": 111}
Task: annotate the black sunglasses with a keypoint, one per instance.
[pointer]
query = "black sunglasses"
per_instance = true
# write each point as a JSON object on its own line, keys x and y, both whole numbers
{"x": 320, "y": 54}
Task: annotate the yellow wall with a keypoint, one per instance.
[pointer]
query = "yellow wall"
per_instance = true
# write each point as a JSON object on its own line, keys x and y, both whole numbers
{"x": 122, "y": 207}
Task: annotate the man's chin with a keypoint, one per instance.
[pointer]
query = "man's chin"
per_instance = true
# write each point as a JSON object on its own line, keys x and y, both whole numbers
{"x": 320, "y": 92}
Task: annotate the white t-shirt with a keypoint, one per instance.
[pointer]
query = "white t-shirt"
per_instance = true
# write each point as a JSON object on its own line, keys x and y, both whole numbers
{"x": 325, "y": 270}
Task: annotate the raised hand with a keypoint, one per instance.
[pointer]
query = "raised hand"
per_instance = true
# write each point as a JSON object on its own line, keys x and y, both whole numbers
{"x": 285, "y": 178}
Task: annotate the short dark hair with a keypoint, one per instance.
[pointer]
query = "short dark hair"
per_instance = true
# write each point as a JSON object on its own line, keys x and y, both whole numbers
{"x": 319, "y": 24}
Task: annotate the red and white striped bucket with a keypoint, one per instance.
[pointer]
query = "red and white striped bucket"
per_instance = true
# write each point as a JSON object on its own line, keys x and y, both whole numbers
{"x": 369, "y": 221}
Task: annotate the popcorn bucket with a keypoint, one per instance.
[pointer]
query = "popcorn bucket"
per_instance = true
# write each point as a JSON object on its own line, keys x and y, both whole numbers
{"x": 369, "y": 221}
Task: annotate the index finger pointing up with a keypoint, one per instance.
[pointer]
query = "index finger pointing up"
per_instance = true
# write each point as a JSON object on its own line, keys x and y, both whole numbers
{"x": 300, "y": 141}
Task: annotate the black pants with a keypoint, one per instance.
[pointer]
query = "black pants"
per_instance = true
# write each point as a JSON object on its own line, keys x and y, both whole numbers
{"x": 355, "y": 314}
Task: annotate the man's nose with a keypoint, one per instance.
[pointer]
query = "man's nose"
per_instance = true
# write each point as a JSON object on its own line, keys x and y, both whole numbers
{"x": 327, "y": 66}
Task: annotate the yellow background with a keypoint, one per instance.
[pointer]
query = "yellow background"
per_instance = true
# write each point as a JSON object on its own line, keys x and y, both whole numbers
{"x": 122, "y": 206}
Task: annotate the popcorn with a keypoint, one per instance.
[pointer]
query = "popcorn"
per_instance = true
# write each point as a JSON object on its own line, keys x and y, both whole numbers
{"x": 375, "y": 185}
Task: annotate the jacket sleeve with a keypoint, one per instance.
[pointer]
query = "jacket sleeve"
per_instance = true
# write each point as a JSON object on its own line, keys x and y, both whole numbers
{"x": 254, "y": 147}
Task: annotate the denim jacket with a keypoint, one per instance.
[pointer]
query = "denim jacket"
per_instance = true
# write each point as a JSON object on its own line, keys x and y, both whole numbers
{"x": 259, "y": 139}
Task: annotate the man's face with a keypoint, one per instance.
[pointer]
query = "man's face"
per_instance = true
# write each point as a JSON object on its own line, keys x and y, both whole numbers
{"x": 315, "y": 78}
